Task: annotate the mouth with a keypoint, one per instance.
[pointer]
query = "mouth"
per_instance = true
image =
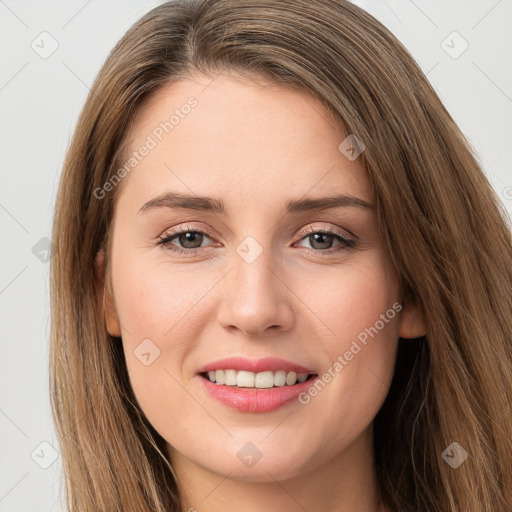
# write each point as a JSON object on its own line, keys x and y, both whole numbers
{"x": 255, "y": 385}
{"x": 243, "y": 379}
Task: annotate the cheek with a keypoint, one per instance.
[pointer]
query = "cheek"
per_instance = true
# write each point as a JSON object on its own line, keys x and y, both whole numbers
{"x": 348, "y": 301}
{"x": 162, "y": 313}
{"x": 359, "y": 312}
{"x": 158, "y": 300}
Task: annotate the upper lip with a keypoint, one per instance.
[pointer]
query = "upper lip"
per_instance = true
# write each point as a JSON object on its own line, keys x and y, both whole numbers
{"x": 254, "y": 365}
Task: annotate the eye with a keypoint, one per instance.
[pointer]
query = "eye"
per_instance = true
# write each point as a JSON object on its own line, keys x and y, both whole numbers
{"x": 189, "y": 239}
{"x": 321, "y": 241}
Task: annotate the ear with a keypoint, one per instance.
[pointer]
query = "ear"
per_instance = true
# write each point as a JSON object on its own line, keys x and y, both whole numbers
{"x": 412, "y": 324}
{"x": 113, "y": 325}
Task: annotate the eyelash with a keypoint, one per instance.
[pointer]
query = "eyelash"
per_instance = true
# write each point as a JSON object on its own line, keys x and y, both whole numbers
{"x": 345, "y": 243}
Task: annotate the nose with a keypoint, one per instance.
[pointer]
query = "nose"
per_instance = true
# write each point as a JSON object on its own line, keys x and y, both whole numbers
{"x": 256, "y": 298}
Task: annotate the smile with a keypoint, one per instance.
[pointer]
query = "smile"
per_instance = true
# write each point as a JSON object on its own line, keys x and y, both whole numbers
{"x": 261, "y": 380}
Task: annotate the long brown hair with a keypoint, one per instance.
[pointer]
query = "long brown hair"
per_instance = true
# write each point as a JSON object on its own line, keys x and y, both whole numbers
{"x": 446, "y": 230}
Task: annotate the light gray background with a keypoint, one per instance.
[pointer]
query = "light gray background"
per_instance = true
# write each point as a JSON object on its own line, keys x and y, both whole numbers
{"x": 40, "y": 99}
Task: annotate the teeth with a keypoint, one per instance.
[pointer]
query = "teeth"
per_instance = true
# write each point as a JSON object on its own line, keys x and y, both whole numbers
{"x": 280, "y": 378}
{"x": 230, "y": 377}
{"x": 291, "y": 378}
{"x": 219, "y": 376}
{"x": 245, "y": 379}
{"x": 262, "y": 380}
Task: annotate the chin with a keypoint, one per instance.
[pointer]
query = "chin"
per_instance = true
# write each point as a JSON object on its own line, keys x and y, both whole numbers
{"x": 261, "y": 468}
{"x": 261, "y": 472}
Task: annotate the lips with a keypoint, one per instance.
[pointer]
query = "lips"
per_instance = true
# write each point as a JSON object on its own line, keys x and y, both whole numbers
{"x": 255, "y": 400}
{"x": 272, "y": 364}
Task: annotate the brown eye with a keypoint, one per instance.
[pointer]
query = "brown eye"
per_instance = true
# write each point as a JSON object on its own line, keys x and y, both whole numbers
{"x": 321, "y": 241}
{"x": 186, "y": 241}
{"x": 190, "y": 239}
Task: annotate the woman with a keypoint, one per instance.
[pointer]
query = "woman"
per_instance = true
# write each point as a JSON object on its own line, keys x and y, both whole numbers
{"x": 281, "y": 279}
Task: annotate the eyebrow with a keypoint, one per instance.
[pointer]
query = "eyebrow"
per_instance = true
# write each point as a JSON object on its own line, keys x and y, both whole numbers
{"x": 176, "y": 200}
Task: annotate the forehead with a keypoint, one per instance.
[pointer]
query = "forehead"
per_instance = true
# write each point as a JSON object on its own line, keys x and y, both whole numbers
{"x": 244, "y": 140}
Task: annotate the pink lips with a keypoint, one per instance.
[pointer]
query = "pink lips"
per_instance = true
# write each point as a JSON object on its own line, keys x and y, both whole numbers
{"x": 250, "y": 399}
{"x": 272, "y": 364}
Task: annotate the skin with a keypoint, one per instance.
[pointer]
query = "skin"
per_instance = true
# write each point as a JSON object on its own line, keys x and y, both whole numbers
{"x": 255, "y": 146}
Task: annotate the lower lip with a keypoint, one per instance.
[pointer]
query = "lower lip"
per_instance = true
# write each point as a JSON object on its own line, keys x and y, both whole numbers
{"x": 255, "y": 400}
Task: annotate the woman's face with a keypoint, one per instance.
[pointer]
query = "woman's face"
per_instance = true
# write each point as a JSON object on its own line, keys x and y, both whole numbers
{"x": 256, "y": 279}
